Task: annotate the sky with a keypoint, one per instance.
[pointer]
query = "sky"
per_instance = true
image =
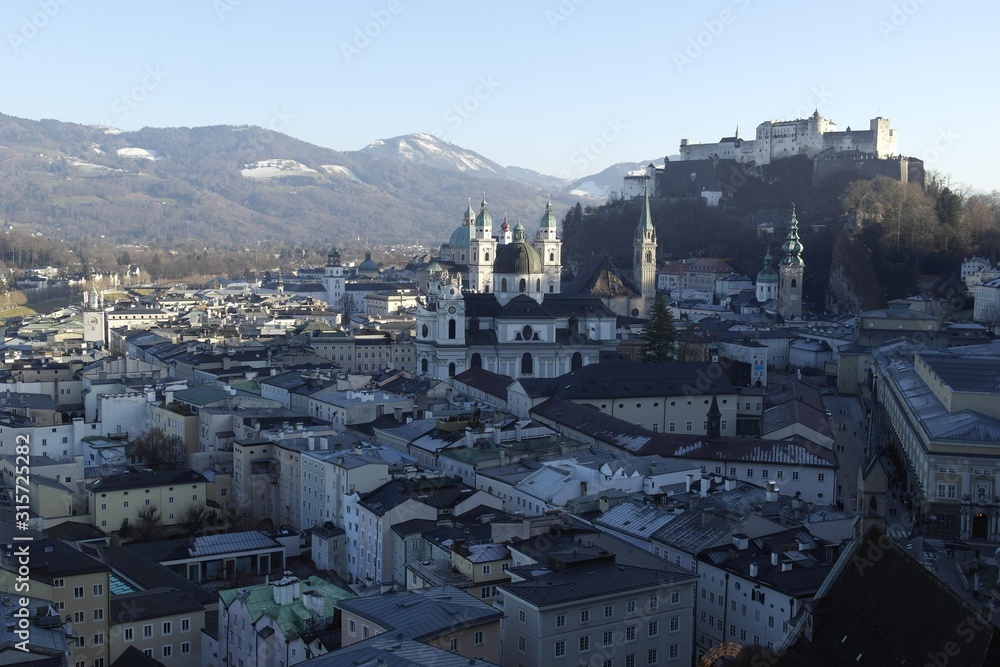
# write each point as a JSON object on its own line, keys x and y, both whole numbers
{"x": 564, "y": 87}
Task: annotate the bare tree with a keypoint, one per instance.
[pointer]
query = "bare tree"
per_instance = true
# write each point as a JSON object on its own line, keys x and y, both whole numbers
{"x": 194, "y": 518}
{"x": 149, "y": 522}
{"x": 160, "y": 451}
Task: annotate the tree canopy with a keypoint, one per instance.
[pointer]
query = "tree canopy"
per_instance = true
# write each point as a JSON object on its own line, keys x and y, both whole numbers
{"x": 660, "y": 335}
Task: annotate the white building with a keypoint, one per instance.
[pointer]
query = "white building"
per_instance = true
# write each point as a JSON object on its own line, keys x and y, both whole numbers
{"x": 987, "y": 302}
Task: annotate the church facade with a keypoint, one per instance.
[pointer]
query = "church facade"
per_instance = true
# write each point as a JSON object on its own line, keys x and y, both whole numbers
{"x": 509, "y": 315}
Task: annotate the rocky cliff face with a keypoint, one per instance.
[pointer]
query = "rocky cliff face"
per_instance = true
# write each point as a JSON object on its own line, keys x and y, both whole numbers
{"x": 853, "y": 285}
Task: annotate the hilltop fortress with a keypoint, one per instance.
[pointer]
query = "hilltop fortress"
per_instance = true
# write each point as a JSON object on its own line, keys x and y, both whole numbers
{"x": 813, "y": 137}
{"x": 711, "y": 171}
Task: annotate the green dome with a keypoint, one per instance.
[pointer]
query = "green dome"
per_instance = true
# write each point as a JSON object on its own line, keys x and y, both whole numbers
{"x": 768, "y": 274}
{"x": 460, "y": 237}
{"x": 368, "y": 264}
{"x": 548, "y": 220}
{"x": 517, "y": 257}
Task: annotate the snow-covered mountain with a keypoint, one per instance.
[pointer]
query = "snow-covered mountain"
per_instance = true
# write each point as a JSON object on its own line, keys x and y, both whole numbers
{"x": 429, "y": 151}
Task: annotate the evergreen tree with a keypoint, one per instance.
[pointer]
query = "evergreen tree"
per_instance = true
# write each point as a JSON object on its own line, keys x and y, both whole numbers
{"x": 660, "y": 336}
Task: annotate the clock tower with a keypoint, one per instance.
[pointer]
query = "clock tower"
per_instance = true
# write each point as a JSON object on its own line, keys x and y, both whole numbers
{"x": 94, "y": 320}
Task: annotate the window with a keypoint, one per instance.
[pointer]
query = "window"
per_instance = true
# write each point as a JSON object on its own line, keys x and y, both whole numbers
{"x": 651, "y": 656}
{"x": 147, "y": 631}
{"x": 675, "y": 623}
{"x": 689, "y": 426}
{"x": 453, "y": 645}
{"x": 58, "y": 583}
{"x": 653, "y": 602}
{"x": 168, "y": 628}
{"x": 521, "y": 615}
{"x": 99, "y": 639}
{"x": 630, "y": 633}
{"x": 81, "y": 642}
{"x": 672, "y": 426}
{"x": 630, "y": 660}
{"x": 608, "y": 638}
{"x": 352, "y": 627}
{"x": 168, "y": 650}
{"x": 125, "y": 504}
{"x": 78, "y": 593}
{"x": 561, "y": 621}
{"x": 364, "y": 632}
{"x": 560, "y": 649}
{"x": 630, "y": 607}
{"x": 129, "y": 634}
{"x": 674, "y": 651}
{"x": 609, "y": 610}
{"x": 653, "y": 628}
{"x": 584, "y": 643}
{"x": 749, "y": 472}
{"x": 486, "y": 569}
{"x": 781, "y": 474}
{"x": 675, "y": 596}
{"x": 99, "y": 614}
{"x": 79, "y": 616}
{"x": 98, "y": 590}
{"x": 185, "y": 648}
{"x": 480, "y": 637}
{"x": 795, "y": 474}
{"x": 820, "y": 477}
{"x": 520, "y": 643}
{"x": 584, "y": 615}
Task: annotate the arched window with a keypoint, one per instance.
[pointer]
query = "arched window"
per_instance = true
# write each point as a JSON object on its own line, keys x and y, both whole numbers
{"x": 451, "y": 369}
{"x": 552, "y": 257}
{"x": 486, "y": 255}
{"x": 451, "y": 329}
{"x": 423, "y": 331}
{"x": 794, "y": 283}
{"x": 503, "y": 285}
{"x": 423, "y": 366}
{"x": 538, "y": 284}
{"x": 649, "y": 257}
{"x": 577, "y": 361}
{"x": 477, "y": 360}
{"x": 522, "y": 286}
{"x": 527, "y": 364}
{"x": 474, "y": 255}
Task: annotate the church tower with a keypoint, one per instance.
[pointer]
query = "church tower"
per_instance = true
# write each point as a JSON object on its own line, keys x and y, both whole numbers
{"x": 790, "y": 273}
{"x": 550, "y": 249}
{"x": 333, "y": 280}
{"x": 644, "y": 260}
{"x": 94, "y": 318}
{"x": 482, "y": 251}
{"x": 506, "y": 233}
{"x": 767, "y": 280}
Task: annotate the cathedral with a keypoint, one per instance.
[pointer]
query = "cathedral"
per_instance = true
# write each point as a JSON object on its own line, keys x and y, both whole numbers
{"x": 781, "y": 291}
{"x": 509, "y": 313}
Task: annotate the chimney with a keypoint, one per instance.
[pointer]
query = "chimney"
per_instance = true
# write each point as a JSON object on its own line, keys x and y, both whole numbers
{"x": 741, "y": 541}
{"x": 753, "y": 570}
{"x": 774, "y": 558}
{"x": 602, "y": 504}
{"x": 703, "y": 487}
{"x": 772, "y": 492}
{"x": 786, "y": 565}
{"x": 730, "y": 484}
{"x": 687, "y": 484}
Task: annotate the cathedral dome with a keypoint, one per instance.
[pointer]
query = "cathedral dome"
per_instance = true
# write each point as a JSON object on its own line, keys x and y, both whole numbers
{"x": 517, "y": 257}
{"x": 461, "y": 236}
{"x": 368, "y": 264}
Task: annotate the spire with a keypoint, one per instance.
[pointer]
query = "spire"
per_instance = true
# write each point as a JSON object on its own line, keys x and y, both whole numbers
{"x": 714, "y": 420}
{"x": 645, "y": 230}
{"x": 470, "y": 214}
{"x": 483, "y": 219}
{"x": 792, "y": 247}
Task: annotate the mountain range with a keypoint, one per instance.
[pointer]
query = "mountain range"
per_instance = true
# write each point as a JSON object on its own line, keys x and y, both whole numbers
{"x": 237, "y": 185}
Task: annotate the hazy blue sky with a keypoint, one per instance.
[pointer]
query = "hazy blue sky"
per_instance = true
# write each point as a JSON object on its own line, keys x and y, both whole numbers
{"x": 563, "y": 87}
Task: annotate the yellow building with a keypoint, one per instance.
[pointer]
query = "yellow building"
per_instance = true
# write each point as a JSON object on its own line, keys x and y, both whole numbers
{"x": 114, "y": 498}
